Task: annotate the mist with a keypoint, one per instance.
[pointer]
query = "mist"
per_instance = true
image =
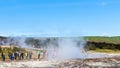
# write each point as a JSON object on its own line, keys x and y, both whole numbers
{"x": 68, "y": 48}
{"x": 56, "y": 48}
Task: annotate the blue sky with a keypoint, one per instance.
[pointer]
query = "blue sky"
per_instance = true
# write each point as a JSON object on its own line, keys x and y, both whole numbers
{"x": 59, "y": 17}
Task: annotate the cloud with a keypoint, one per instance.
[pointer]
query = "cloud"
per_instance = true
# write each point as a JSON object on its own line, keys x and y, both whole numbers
{"x": 106, "y": 34}
{"x": 35, "y": 33}
{"x": 102, "y": 3}
{"x": 66, "y": 33}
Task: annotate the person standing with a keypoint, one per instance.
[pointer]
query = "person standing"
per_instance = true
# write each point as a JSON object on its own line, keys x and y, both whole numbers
{"x": 3, "y": 56}
{"x": 44, "y": 54}
{"x": 38, "y": 53}
{"x": 19, "y": 55}
{"x": 10, "y": 56}
{"x": 13, "y": 56}
{"x": 22, "y": 55}
{"x": 30, "y": 54}
{"x": 26, "y": 55}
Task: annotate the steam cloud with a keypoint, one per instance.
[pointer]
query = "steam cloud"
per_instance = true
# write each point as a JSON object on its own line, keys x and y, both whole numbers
{"x": 56, "y": 48}
{"x": 68, "y": 48}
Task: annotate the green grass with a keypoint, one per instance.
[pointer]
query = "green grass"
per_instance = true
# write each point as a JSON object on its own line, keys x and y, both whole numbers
{"x": 113, "y": 40}
{"x": 107, "y": 51}
{"x": 109, "y": 44}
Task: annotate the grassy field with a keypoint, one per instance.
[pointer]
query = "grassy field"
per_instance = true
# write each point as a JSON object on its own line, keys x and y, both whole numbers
{"x": 113, "y": 40}
{"x": 104, "y": 44}
{"x": 106, "y": 51}
{"x": 96, "y": 43}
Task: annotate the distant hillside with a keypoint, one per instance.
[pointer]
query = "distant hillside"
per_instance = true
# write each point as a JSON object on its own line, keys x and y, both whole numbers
{"x": 3, "y": 38}
{"x": 102, "y": 39}
{"x": 103, "y": 44}
{"x": 93, "y": 42}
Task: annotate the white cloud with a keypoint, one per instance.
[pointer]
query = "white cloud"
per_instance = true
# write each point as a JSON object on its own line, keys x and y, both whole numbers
{"x": 102, "y": 3}
{"x": 106, "y": 34}
{"x": 35, "y": 34}
{"x": 65, "y": 33}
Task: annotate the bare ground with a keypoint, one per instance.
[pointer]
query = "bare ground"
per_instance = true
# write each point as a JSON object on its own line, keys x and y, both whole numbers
{"x": 110, "y": 62}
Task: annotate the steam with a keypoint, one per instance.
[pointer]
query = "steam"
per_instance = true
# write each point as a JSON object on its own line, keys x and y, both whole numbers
{"x": 55, "y": 48}
{"x": 15, "y": 41}
{"x": 68, "y": 48}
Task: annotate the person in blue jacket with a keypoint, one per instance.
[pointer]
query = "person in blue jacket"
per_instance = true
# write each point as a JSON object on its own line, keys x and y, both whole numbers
{"x": 38, "y": 53}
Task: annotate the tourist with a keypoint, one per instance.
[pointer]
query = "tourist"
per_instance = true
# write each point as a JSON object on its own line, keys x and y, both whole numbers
{"x": 30, "y": 55}
{"x": 22, "y": 55}
{"x": 44, "y": 53}
{"x": 38, "y": 53}
{"x": 13, "y": 56}
{"x": 3, "y": 56}
{"x": 26, "y": 55}
{"x": 10, "y": 56}
{"x": 16, "y": 55}
{"x": 19, "y": 55}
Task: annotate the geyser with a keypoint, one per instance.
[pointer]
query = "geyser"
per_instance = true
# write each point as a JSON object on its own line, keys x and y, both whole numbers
{"x": 68, "y": 48}
{"x": 57, "y": 48}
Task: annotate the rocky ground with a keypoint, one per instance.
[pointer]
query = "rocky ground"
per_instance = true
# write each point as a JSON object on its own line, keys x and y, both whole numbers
{"x": 113, "y": 61}
{"x": 27, "y": 64}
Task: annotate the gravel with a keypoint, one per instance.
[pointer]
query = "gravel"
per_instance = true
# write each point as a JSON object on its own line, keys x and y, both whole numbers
{"x": 109, "y": 62}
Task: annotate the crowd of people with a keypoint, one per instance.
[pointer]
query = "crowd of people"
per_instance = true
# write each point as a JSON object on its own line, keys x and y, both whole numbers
{"x": 17, "y": 56}
{"x": 41, "y": 55}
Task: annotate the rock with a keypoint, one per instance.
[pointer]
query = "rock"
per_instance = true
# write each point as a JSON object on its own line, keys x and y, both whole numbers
{"x": 111, "y": 62}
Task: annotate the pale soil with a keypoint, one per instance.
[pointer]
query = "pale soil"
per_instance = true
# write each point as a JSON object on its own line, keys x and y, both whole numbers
{"x": 27, "y": 64}
{"x": 51, "y": 64}
{"x": 109, "y": 54}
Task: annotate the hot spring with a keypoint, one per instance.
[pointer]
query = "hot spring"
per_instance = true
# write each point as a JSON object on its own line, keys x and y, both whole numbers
{"x": 59, "y": 48}
{"x": 69, "y": 48}
{"x": 59, "y": 53}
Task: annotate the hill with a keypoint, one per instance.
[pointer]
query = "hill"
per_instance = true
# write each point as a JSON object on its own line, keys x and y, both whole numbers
{"x": 103, "y": 44}
{"x": 112, "y": 40}
{"x": 93, "y": 42}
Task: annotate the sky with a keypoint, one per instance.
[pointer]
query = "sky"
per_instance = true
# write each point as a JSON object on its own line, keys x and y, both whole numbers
{"x": 61, "y": 18}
